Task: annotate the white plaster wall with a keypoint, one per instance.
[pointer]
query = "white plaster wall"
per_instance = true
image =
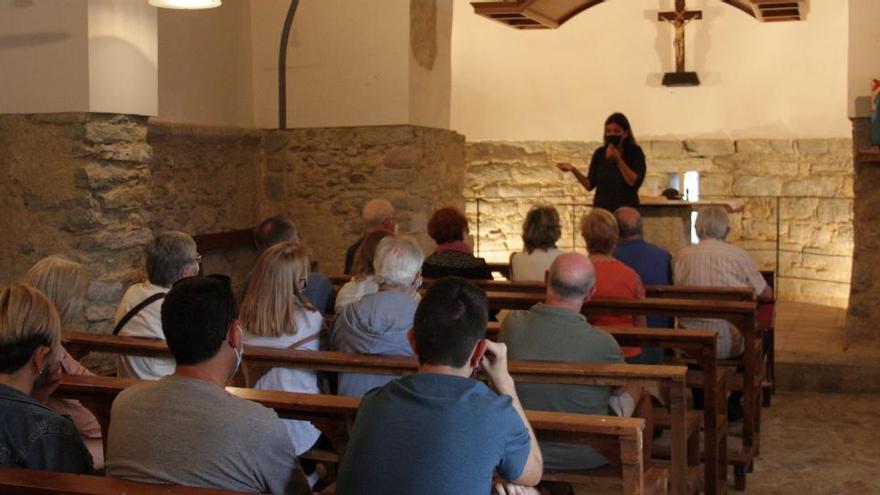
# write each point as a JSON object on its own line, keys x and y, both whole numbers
{"x": 347, "y": 62}
{"x": 430, "y": 90}
{"x": 44, "y": 58}
{"x": 864, "y": 52}
{"x": 205, "y": 69}
{"x": 772, "y": 80}
{"x": 123, "y": 57}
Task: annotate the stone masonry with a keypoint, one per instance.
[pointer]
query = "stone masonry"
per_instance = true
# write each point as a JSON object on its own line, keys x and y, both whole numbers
{"x": 807, "y": 185}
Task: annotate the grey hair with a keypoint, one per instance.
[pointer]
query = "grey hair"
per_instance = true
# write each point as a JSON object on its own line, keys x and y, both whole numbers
{"x": 571, "y": 289}
{"x": 167, "y": 255}
{"x": 398, "y": 259}
{"x": 628, "y": 229}
{"x": 712, "y": 223}
{"x": 376, "y": 211}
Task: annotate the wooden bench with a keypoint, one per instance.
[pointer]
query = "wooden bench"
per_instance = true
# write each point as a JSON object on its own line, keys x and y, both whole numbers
{"x": 619, "y": 439}
{"x": 742, "y": 314}
{"x": 32, "y": 482}
{"x": 671, "y": 379}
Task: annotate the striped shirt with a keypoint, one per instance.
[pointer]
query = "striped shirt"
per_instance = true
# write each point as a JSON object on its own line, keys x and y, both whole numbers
{"x": 715, "y": 263}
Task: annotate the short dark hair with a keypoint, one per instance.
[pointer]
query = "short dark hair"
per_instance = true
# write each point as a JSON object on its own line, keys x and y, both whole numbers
{"x": 447, "y": 225}
{"x": 273, "y": 230}
{"x": 449, "y": 321}
{"x": 196, "y": 315}
{"x": 541, "y": 228}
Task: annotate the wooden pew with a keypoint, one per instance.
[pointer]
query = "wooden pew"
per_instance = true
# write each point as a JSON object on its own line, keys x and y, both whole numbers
{"x": 258, "y": 360}
{"x": 620, "y": 439}
{"x": 31, "y": 482}
{"x": 742, "y": 314}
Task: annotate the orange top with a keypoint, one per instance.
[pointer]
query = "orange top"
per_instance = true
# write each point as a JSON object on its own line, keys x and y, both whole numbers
{"x": 614, "y": 280}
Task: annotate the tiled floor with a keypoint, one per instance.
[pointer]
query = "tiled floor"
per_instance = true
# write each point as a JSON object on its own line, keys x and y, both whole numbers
{"x": 810, "y": 328}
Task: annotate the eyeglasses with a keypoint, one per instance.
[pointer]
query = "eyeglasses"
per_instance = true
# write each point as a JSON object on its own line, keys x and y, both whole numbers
{"x": 198, "y": 258}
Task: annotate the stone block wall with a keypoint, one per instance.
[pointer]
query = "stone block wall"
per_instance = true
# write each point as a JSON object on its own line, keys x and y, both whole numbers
{"x": 76, "y": 185}
{"x": 803, "y": 186}
{"x": 322, "y": 178}
{"x": 96, "y": 188}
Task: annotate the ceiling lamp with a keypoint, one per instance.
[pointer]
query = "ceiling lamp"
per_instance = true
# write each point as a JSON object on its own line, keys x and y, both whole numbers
{"x": 186, "y": 4}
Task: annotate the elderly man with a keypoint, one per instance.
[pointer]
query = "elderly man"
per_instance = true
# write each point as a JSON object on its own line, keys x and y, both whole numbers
{"x": 377, "y": 214}
{"x": 185, "y": 429}
{"x": 557, "y": 331}
{"x": 439, "y": 431}
{"x": 378, "y": 322}
{"x": 652, "y": 263}
{"x": 170, "y": 257}
{"x": 318, "y": 289}
{"x": 716, "y": 263}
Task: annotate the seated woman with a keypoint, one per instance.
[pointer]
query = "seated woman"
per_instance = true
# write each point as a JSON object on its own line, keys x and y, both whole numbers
{"x": 614, "y": 280}
{"x": 65, "y": 283}
{"x": 452, "y": 258}
{"x": 362, "y": 280}
{"x": 379, "y": 323}
{"x": 541, "y": 231}
{"x": 32, "y": 435}
{"x": 275, "y": 313}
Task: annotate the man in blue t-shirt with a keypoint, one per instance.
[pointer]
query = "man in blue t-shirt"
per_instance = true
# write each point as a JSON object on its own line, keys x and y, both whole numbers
{"x": 439, "y": 431}
{"x": 652, "y": 263}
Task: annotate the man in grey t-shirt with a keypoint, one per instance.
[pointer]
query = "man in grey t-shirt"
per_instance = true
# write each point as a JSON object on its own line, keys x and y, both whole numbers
{"x": 186, "y": 429}
{"x": 557, "y": 331}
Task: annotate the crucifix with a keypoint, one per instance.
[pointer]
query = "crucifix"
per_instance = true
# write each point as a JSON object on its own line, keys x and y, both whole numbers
{"x": 678, "y": 19}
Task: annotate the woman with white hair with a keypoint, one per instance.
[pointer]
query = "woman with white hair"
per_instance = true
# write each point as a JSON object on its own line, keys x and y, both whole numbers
{"x": 378, "y": 323}
{"x": 65, "y": 283}
{"x": 32, "y": 436}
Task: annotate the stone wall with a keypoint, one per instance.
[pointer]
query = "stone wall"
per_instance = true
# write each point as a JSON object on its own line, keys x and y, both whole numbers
{"x": 807, "y": 185}
{"x": 207, "y": 180}
{"x": 864, "y": 308}
{"x": 96, "y": 188}
{"x": 76, "y": 184}
{"x": 322, "y": 178}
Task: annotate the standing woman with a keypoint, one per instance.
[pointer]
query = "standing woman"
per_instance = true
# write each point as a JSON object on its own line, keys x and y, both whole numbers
{"x": 616, "y": 170}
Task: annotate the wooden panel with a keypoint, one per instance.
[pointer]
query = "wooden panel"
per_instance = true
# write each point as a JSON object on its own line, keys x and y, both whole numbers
{"x": 34, "y": 482}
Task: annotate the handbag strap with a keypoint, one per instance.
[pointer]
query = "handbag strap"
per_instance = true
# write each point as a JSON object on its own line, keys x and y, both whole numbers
{"x": 137, "y": 309}
{"x": 304, "y": 341}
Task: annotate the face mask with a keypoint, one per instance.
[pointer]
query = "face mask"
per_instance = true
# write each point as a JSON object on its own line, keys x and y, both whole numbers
{"x": 613, "y": 139}
{"x": 239, "y": 355}
{"x": 41, "y": 377}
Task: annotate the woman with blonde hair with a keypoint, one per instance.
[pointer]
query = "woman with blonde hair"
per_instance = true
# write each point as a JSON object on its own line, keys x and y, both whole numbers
{"x": 614, "y": 280}
{"x": 32, "y": 436}
{"x": 65, "y": 283}
{"x": 541, "y": 231}
{"x": 276, "y": 314}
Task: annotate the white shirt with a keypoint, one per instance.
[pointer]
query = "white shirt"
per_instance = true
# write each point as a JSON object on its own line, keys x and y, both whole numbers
{"x": 526, "y": 267}
{"x": 353, "y": 291}
{"x": 147, "y": 324}
{"x": 308, "y": 323}
{"x": 714, "y": 263}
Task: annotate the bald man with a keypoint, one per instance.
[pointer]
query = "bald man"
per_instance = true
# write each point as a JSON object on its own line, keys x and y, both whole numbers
{"x": 652, "y": 263}
{"x": 378, "y": 214}
{"x": 555, "y": 330}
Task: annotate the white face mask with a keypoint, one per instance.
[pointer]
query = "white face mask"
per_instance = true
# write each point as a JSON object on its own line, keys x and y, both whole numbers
{"x": 239, "y": 355}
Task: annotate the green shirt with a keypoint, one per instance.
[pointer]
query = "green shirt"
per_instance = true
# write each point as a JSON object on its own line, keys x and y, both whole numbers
{"x": 547, "y": 333}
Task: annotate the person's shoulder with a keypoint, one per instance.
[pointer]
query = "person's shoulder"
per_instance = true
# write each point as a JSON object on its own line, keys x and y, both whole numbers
{"x": 515, "y": 322}
{"x": 599, "y": 339}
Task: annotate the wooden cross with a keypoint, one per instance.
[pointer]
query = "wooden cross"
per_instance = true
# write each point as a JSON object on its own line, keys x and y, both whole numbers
{"x": 678, "y": 19}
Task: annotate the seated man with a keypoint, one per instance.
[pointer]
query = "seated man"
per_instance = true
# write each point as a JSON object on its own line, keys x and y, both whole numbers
{"x": 378, "y": 322}
{"x": 652, "y": 263}
{"x": 186, "y": 429}
{"x": 378, "y": 214}
{"x": 439, "y": 431}
{"x": 33, "y": 436}
{"x": 557, "y": 331}
{"x": 170, "y": 257}
{"x": 318, "y": 288}
{"x": 716, "y": 263}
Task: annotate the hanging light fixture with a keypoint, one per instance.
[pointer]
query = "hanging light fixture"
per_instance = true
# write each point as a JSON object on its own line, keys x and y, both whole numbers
{"x": 186, "y": 4}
